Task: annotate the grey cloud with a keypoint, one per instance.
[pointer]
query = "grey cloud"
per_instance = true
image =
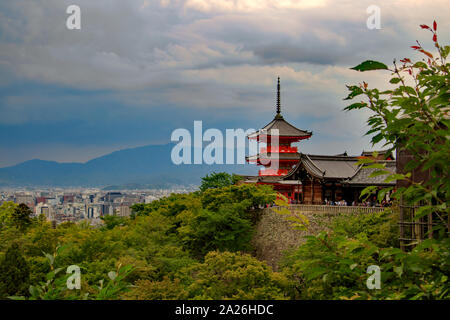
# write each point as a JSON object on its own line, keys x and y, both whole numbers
{"x": 140, "y": 60}
{"x": 280, "y": 53}
{"x": 125, "y": 46}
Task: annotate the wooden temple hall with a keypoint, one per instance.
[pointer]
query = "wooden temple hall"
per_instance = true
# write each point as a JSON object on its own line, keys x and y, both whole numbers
{"x": 309, "y": 178}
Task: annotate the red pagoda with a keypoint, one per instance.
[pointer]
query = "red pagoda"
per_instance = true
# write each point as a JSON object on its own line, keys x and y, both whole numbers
{"x": 279, "y": 153}
{"x": 308, "y": 178}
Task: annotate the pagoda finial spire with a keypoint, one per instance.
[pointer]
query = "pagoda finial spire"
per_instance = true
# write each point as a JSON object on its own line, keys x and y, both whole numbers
{"x": 278, "y": 97}
{"x": 278, "y": 115}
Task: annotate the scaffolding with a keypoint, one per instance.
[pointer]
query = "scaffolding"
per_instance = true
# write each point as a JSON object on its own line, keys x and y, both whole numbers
{"x": 412, "y": 229}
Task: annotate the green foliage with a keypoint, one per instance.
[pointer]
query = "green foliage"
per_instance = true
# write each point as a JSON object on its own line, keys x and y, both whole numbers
{"x": 172, "y": 205}
{"x": 14, "y": 273}
{"x": 334, "y": 267}
{"x": 370, "y": 65}
{"x": 54, "y": 286}
{"x": 236, "y": 178}
{"x": 166, "y": 289}
{"x": 222, "y": 275}
{"x": 190, "y": 247}
{"x": 21, "y": 216}
{"x": 216, "y": 219}
{"x": 227, "y": 229}
{"x": 217, "y": 180}
{"x": 413, "y": 117}
{"x": 51, "y": 287}
{"x": 380, "y": 228}
{"x": 250, "y": 195}
{"x": 164, "y": 243}
{"x": 146, "y": 242}
{"x": 229, "y": 275}
{"x": 110, "y": 222}
{"x": 6, "y": 213}
{"x": 115, "y": 286}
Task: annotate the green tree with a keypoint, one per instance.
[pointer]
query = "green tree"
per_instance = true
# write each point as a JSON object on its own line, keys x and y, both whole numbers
{"x": 54, "y": 286}
{"x": 222, "y": 275}
{"x": 380, "y": 228}
{"x": 227, "y": 275}
{"x": 414, "y": 116}
{"x": 217, "y": 180}
{"x": 111, "y": 222}
{"x": 216, "y": 219}
{"x": 166, "y": 289}
{"x": 6, "y": 213}
{"x": 170, "y": 206}
{"x": 21, "y": 216}
{"x": 250, "y": 195}
{"x": 330, "y": 266}
{"x": 227, "y": 229}
{"x": 14, "y": 273}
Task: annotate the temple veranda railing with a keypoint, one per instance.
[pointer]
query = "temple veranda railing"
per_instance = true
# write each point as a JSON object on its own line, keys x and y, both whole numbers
{"x": 335, "y": 209}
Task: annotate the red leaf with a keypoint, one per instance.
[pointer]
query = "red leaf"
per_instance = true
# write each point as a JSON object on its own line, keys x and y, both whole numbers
{"x": 424, "y": 26}
{"x": 405, "y": 60}
{"x": 434, "y": 37}
{"x": 427, "y": 53}
{"x": 415, "y": 47}
{"x": 434, "y": 25}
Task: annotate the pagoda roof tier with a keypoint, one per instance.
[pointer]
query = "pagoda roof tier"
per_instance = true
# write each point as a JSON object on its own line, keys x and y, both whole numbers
{"x": 271, "y": 180}
{"x": 278, "y": 156}
{"x": 285, "y": 129}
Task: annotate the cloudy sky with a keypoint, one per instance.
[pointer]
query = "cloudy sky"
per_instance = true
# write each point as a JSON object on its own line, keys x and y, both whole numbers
{"x": 139, "y": 69}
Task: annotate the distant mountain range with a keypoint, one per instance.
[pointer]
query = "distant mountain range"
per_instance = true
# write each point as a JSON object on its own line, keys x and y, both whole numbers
{"x": 148, "y": 166}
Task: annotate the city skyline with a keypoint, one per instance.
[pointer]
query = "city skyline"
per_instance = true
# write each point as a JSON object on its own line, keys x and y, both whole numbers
{"x": 75, "y": 204}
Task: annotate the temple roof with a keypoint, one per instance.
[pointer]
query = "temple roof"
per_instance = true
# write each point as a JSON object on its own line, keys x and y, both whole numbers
{"x": 324, "y": 166}
{"x": 382, "y": 154}
{"x": 362, "y": 176}
{"x": 340, "y": 167}
{"x": 337, "y": 168}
